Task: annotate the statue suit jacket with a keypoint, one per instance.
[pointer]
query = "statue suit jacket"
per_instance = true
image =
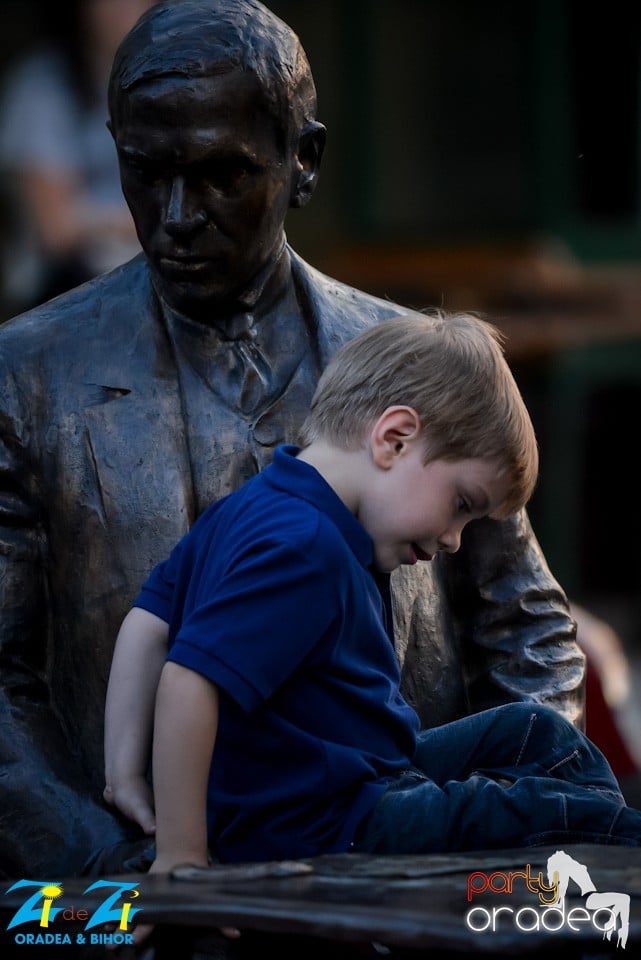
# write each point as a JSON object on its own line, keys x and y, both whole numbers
{"x": 95, "y": 489}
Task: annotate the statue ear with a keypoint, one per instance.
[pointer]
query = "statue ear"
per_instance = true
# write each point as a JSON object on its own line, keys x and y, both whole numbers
{"x": 307, "y": 165}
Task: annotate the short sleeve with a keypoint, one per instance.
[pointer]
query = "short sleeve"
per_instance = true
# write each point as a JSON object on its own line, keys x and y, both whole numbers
{"x": 158, "y": 592}
{"x": 250, "y": 630}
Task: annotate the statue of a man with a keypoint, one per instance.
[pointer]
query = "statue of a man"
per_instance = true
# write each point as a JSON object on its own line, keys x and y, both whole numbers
{"x": 131, "y": 402}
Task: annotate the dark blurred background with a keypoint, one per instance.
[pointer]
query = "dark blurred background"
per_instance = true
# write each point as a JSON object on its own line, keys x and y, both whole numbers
{"x": 487, "y": 156}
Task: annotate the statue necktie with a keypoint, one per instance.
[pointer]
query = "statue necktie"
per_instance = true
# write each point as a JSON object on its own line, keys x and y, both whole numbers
{"x": 253, "y": 375}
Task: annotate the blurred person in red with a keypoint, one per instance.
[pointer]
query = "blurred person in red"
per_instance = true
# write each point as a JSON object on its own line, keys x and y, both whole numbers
{"x": 610, "y": 723}
{"x": 67, "y": 218}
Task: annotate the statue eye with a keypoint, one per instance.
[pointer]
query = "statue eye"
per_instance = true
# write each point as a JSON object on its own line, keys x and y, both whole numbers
{"x": 231, "y": 174}
{"x": 142, "y": 169}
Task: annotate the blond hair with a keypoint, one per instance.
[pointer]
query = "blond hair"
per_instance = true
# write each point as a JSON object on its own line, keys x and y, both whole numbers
{"x": 451, "y": 369}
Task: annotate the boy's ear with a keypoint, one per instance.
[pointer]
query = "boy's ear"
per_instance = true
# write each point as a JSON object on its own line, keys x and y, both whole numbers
{"x": 393, "y": 434}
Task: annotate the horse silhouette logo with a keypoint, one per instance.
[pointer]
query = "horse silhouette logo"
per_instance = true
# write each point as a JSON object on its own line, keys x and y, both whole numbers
{"x": 561, "y": 868}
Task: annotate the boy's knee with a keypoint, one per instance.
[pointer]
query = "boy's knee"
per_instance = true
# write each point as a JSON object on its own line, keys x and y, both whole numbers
{"x": 552, "y": 718}
{"x": 530, "y": 712}
{"x": 535, "y": 720}
{"x": 545, "y": 729}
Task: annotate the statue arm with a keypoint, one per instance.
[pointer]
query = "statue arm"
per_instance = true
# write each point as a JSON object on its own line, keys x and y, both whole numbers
{"x": 49, "y": 819}
{"x": 518, "y": 639}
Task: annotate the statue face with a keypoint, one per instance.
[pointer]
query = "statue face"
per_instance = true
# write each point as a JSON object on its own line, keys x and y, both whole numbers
{"x": 207, "y": 180}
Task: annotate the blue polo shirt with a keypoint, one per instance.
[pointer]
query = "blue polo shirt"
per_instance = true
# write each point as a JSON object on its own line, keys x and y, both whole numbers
{"x": 270, "y": 597}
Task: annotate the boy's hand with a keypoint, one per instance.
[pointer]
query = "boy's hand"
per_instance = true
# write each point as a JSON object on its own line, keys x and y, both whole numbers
{"x": 141, "y": 932}
{"x": 134, "y": 799}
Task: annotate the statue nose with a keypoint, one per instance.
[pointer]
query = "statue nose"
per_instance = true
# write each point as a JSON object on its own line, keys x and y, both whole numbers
{"x": 183, "y": 214}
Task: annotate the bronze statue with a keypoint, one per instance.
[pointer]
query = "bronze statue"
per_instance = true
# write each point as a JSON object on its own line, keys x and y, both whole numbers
{"x": 131, "y": 402}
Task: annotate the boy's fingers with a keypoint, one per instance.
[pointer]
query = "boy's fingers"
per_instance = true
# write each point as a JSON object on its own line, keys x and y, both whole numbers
{"x": 145, "y": 819}
{"x": 140, "y": 814}
{"x": 134, "y": 808}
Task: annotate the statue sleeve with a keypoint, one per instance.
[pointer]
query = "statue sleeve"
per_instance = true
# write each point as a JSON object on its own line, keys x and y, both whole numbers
{"x": 50, "y": 824}
{"x": 518, "y": 639}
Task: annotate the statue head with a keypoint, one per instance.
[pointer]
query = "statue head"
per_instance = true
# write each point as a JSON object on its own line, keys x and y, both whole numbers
{"x": 213, "y": 111}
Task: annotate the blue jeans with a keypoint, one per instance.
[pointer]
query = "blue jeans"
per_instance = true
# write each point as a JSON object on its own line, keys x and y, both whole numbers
{"x": 516, "y": 775}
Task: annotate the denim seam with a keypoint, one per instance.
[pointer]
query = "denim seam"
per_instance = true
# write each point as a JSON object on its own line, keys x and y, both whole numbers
{"x": 570, "y": 756}
{"x": 614, "y": 819}
{"x": 526, "y": 738}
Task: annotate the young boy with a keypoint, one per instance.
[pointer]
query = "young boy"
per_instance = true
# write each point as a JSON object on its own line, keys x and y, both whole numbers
{"x": 281, "y": 663}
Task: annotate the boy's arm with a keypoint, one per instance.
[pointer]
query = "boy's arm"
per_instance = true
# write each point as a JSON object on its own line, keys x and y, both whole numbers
{"x": 139, "y": 656}
{"x": 186, "y": 724}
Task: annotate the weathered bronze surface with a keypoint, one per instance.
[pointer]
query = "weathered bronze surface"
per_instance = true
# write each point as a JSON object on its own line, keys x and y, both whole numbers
{"x": 129, "y": 403}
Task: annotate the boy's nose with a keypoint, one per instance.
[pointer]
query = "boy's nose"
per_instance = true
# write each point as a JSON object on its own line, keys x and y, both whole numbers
{"x": 450, "y": 541}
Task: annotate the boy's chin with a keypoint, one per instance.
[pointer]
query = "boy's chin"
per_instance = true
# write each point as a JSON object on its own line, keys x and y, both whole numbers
{"x": 386, "y": 566}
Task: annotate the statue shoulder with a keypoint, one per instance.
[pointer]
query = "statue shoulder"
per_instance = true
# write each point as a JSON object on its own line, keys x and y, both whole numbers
{"x": 332, "y": 299}
{"x": 76, "y": 317}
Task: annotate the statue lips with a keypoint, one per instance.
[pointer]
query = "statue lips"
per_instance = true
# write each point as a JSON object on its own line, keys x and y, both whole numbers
{"x": 183, "y": 264}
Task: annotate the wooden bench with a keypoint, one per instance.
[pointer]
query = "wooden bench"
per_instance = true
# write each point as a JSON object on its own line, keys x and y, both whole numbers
{"x": 356, "y": 905}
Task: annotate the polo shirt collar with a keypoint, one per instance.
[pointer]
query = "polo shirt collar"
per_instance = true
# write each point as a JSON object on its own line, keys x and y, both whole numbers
{"x": 300, "y": 479}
